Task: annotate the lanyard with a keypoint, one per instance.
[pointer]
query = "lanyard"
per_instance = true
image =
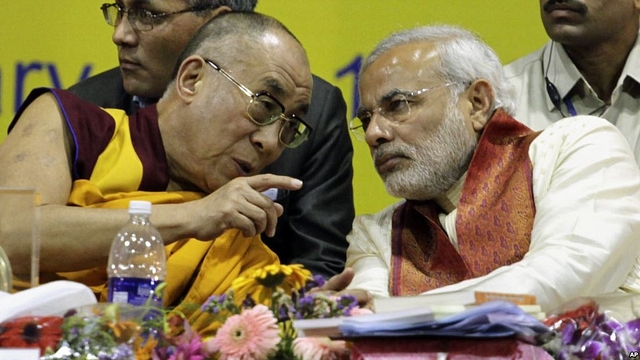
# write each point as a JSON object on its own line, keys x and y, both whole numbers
{"x": 570, "y": 107}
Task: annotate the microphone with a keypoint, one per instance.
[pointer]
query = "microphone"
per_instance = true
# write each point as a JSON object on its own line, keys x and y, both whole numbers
{"x": 554, "y": 94}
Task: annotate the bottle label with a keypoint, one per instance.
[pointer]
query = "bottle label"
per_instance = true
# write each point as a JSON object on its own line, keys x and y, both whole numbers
{"x": 134, "y": 291}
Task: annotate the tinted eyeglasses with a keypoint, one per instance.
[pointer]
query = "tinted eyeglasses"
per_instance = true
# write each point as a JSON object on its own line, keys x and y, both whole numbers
{"x": 264, "y": 109}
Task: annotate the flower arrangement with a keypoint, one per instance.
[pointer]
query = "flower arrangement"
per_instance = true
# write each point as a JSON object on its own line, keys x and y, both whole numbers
{"x": 587, "y": 331}
{"x": 260, "y": 328}
{"x": 254, "y": 316}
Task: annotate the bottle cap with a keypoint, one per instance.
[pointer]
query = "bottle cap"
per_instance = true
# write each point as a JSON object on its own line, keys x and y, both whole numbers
{"x": 139, "y": 207}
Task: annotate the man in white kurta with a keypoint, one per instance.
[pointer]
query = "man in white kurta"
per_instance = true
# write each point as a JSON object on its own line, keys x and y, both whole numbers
{"x": 435, "y": 110}
{"x": 586, "y": 225}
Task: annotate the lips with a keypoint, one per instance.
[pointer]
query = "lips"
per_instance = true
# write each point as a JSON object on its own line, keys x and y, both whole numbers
{"x": 571, "y": 5}
{"x": 387, "y": 162}
{"x": 128, "y": 64}
{"x": 244, "y": 167}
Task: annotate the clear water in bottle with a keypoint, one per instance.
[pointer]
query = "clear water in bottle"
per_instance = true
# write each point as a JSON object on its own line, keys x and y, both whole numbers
{"x": 137, "y": 261}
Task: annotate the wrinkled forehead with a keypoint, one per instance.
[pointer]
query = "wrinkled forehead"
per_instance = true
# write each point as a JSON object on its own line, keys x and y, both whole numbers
{"x": 405, "y": 67}
{"x": 285, "y": 70}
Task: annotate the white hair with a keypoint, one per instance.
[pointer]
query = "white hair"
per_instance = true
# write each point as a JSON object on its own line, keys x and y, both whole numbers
{"x": 463, "y": 57}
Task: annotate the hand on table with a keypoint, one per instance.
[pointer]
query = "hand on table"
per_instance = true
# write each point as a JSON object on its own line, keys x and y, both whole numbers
{"x": 337, "y": 284}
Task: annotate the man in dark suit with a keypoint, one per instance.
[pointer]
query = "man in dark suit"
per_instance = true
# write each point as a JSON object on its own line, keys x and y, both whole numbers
{"x": 317, "y": 217}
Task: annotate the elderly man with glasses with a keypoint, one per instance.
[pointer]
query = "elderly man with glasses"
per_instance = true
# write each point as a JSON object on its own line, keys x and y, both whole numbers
{"x": 490, "y": 204}
{"x": 197, "y": 155}
{"x": 150, "y": 35}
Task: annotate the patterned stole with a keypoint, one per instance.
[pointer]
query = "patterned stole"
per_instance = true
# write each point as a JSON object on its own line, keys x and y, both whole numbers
{"x": 493, "y": 224}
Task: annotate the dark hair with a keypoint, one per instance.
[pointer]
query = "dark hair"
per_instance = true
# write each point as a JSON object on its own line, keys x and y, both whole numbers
{"x": 235, "y": 5}
{"x": 226, "y": 29}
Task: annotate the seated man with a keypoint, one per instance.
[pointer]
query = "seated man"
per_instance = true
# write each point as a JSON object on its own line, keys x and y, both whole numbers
{"x": 317, "y": 218}
{"x": 490, "y": 204}
{"x": 197, "y": 155}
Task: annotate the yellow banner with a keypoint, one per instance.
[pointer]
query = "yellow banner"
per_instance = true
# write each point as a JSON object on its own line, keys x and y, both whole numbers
{"x": 57, "y": 43}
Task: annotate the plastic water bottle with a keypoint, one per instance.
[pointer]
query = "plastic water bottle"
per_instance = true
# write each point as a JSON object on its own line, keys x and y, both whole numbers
{"x": 137, "y": 261}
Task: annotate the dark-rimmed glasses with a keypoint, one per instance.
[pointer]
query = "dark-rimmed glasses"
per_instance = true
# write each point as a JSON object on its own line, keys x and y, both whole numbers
{"x": 395, "y": 107}
{"x": 141, "y": 19}
{"x": 263, "y": 109}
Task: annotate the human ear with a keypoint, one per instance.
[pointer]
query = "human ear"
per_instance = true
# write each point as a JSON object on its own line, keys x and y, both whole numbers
{"x": 481, "y": 98}
{"x": 220, "y": 10}
{"x": 189, "y": 77}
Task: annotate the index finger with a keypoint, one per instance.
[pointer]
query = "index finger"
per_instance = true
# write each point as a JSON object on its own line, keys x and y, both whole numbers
{"x": 263, "y": 182}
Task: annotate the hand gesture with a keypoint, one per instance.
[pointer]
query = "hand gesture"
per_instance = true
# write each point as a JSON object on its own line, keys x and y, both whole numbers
{"x": 239, "y": 204}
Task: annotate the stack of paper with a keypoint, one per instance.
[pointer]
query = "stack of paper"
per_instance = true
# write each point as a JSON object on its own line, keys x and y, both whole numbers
{"x": 392, "y": 320}
{"x": 488, "y": 320}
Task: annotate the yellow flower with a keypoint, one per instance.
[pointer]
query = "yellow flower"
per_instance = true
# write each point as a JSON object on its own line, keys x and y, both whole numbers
{"x": 144, "y": 347}
{"x": 261, "y": 283}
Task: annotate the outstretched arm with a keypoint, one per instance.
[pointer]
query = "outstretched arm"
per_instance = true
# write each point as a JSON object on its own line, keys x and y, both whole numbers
{"x": 38, "y": 154}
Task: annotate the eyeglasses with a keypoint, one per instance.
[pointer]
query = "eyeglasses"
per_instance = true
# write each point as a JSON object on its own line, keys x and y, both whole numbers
{"x": 263, "y": 109}
{"x": 141, "y": 19}
{"x": 395, "y": 107}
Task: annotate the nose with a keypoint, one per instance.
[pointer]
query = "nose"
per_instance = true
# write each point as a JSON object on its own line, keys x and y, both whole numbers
{"x": 266, "y": 139}
{"x": 378, "y": 131}
{"x": 123, "y": 33}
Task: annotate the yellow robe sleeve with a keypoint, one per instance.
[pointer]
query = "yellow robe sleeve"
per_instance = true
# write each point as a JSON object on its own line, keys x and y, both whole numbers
{"x": 196, "y": 269}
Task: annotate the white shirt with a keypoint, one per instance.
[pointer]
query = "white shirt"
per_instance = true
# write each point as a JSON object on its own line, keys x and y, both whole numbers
{"x": 586, "y": 232}
{"x": 536, "y": 110}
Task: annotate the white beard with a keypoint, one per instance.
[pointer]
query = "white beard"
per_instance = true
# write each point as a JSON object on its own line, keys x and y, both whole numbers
{"x": 434, "y": 163}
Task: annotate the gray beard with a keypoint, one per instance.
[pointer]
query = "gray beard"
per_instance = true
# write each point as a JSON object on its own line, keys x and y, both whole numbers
{"x": 434, "y": 163}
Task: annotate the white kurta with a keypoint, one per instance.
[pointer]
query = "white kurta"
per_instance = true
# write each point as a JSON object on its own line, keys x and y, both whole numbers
{"x": 586, "y": 232}
{"x": 536, "y": 110}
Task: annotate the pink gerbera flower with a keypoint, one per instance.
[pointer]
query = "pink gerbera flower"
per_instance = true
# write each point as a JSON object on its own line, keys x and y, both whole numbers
{"x": 253, "y": 334}
{"x": 320, "y": 348}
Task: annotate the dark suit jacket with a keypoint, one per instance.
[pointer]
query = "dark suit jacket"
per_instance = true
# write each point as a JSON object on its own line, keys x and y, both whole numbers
{"x": 312, "y": 231}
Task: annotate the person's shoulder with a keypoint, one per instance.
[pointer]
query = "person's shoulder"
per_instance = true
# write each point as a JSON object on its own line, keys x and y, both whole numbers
{"x": 104, "y": 89}
{"x": 324, "y": 90}
{"x": 322, "y": 84}
{"x": 580, "y": 123}
{"x": 327, "y": 112}
{"x": 582, "y": 128}
{"x": 106, "y": 78}
{"x": 381, "y": 215}
{"x": 521, "y": 65}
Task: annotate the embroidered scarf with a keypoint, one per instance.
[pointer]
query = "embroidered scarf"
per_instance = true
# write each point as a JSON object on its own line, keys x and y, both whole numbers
{"x": 494, "y": 217}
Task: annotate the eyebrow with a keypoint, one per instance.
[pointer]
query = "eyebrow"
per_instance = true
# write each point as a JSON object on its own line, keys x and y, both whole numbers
{"x": 276, "y": 89}
{"x": 138, "y": 2}
{"x": 391, "y": 94}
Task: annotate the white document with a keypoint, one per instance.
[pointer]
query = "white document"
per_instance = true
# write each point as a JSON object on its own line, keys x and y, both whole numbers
{"x": 53, "y": 298}
{"x": 19, "y": 354}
